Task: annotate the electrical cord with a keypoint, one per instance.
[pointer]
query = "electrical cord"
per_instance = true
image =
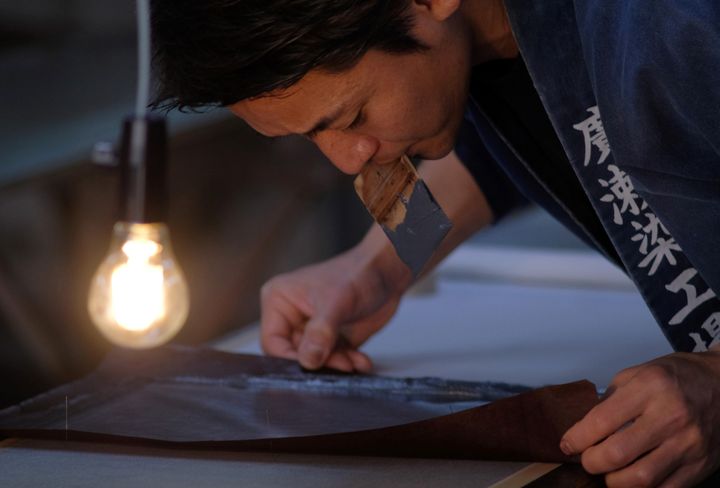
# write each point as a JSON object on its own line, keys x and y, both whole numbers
{"x": 143, "y": 80}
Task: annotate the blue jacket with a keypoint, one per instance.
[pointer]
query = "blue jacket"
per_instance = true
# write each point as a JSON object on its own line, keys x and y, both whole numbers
{"x": 632, "y": 89}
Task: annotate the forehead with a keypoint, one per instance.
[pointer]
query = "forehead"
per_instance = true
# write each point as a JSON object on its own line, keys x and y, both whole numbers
{"x": 293, "y": 110}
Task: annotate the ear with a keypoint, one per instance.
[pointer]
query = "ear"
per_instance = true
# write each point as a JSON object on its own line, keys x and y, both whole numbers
{"x": 440, "y": 10}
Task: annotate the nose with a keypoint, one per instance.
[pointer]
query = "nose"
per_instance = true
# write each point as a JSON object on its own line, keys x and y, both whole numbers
{"x": 348, "y": 152}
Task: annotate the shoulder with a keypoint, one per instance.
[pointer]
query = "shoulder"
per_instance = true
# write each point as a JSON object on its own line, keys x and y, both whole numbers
{"x": 669, "y": 41}
{"x": 655, "y": 69}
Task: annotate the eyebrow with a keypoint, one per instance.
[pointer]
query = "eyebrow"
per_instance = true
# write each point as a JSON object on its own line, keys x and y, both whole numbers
{"x": 325, "y": 122}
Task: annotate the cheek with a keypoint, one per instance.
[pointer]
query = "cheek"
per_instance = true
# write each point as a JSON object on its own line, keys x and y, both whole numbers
{"x": 431, "y": 109}
{"x": 408, "y": 120}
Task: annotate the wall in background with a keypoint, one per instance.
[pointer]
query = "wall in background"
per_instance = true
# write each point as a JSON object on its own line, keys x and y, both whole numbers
{"x": 56, "y": 16}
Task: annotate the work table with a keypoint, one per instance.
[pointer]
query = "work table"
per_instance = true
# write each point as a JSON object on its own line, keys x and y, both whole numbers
{"x": 463, "y": 326}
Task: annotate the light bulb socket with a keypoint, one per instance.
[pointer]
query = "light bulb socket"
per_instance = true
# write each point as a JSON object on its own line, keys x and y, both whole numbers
{"x": 143, "y": 165}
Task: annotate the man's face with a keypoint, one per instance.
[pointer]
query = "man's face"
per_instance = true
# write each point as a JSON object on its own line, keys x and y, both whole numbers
{"x": 385, "y": 106}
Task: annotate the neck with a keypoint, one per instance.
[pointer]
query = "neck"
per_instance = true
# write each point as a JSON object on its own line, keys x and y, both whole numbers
{"x": 491, "y": 33}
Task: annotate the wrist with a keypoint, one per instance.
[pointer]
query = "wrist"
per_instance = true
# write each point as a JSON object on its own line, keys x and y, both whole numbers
{"x": 382, "y": 260}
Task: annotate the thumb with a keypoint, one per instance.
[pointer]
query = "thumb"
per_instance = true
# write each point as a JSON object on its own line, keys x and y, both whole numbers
{"x": 318, "y": 342}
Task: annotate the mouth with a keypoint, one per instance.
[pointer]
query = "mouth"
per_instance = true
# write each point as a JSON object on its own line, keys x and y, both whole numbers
{"x": 416, "y": 153}
{"x": 411, "y": 151}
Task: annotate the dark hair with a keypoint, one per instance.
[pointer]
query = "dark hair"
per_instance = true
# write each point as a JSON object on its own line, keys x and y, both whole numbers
{"x": 218, "y": 52}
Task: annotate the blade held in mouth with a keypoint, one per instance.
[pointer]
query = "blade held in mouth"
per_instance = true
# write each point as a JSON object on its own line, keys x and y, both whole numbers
{"x": 401, "y": 203}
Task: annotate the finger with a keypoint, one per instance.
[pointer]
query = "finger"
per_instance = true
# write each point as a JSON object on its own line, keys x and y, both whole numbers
{"x": 624, "y": 446}
{"x": 361, "y": 362}
{"x": 278, "y": 319}
{"x": 279, "y": 346}
{"x": 623, "y": 406}
{"x": 340, "y": 361}
{"x": 317, "y": 343}
{"x": 276, "y": 328}
{"x": 649, "y": 470}
{"x": 623, "y": 377}
{"x": 296, "y": 338}
{"x": 688, "y": 475}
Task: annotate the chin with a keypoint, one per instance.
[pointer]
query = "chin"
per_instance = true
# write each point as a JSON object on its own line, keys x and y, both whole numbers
{"x": 441, "y": 145}
{"x": 437, "y": 151}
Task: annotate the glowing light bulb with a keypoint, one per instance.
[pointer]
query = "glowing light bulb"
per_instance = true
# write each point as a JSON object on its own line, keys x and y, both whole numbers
{"x": 138, "y": 296}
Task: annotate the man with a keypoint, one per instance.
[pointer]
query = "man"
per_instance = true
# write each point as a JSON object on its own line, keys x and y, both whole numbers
{"x": 603, "y": 112}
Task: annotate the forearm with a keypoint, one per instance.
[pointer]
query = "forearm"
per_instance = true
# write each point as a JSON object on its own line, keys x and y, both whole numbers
{"x": 462, "y": 200}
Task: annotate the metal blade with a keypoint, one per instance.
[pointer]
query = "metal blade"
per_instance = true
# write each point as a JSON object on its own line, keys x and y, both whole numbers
{"x": 401, "y": 203}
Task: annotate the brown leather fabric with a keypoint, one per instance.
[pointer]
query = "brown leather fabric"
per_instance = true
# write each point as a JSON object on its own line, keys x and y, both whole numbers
{"x": 204, "y": 398}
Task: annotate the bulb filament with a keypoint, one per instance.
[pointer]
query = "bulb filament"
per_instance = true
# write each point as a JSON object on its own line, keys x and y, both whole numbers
{"x": 136, "y": 287}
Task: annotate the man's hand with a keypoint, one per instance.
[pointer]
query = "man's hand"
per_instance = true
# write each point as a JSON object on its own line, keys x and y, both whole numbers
{"x": 658, "y": 426}
{"x": 320, "y": 314}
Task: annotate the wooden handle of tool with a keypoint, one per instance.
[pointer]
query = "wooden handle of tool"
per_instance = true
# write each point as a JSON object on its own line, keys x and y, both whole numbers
{"x": 381, "y": 186}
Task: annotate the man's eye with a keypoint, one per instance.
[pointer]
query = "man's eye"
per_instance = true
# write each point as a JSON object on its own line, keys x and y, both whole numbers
{"x": 359, "y": 119}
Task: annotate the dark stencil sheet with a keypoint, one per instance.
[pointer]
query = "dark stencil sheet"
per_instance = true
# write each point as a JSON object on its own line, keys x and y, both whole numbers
{"x": 206, "y": 398}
